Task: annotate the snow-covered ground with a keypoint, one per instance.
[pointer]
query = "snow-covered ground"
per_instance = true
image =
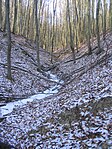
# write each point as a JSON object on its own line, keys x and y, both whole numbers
{"x": 79, "y": 116}
{"x": 26, "y": 79}
{"x": 8, "y": 108}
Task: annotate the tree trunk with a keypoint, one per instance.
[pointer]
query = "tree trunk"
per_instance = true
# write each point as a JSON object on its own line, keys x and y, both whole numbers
{"x": 15, "y": 17}
{"x": 37, "y": 33}
{"x": 9, "y": 40}
{"x": 76, "y": 26}
{"x": 71, "y": 36}
{"x": 53, "y": 28}
{"x": 0, "y": 14}
{"x": 97, "y": 27}
{"x": 89, "y": 28}
{"x": 93, "y": 19}
{"x": 110, "y": 15}
{"x": 104, "y": 18}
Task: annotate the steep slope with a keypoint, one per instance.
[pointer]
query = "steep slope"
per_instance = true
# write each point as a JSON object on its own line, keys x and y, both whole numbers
{"x": 26, "y": 79}
{"x": 78, "y": 116}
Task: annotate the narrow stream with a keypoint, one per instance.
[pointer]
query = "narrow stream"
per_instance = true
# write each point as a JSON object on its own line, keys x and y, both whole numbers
{"x": 8, "y": 108}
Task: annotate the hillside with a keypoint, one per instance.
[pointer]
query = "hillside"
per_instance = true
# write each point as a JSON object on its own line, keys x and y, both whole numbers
{"x": 79, "y": 116}
{"x": 26, "y": 79}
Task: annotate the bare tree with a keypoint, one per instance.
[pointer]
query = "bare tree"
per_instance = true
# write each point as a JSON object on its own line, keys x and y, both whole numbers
{"x": 53, "y": 28}
{"x": 9, "y": 40}
{"x": 89, "y": 28}
{"x": 37, "y": 33}
{"x": 104, "y": 18}
{"x": 93, "y": 18}
{"x": 70, "y": 28}
{"x": 0, "y": 14}
{"x": 15, "y": 16}
{"x": 110, "y": 15}
{"x": 97, "y": 27}
{"x": 76, "y": 26}
{"x": 71, "y": 25}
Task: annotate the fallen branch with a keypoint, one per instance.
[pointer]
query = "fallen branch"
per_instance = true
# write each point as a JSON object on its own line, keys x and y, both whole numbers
{"x": 27, "y": 54}
{"x": 77, "y": 58}
{"x": 29, "y": 72}
{"x": 99, "y": 61}
{"x": 7, "y": 98}
{"x": 50, "y": 67}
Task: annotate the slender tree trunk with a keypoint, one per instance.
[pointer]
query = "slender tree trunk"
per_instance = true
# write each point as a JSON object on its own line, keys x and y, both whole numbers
{"x": 37, "y": 33}
{"x": 110, "y": 13}
{"x": 20, "y": 17}
{"x": 76, "y": 27}
{"x": 89, "y": 28}
{"x": 104, "y": 18}
{"x": 93, "y": 18}
{"x": 28, "y": 21}
{"x": 0, "y": 14}
{"x": 9, "y": 39}
{"x": 15, "y": 17}
{"x": 32, "y": 25}
{"x": 53, "y": 29}
{"x": 67, "y": 31}
{"x": 71, "y": 36}
{"x": 97, "y": 27}
{"x": 4, "y": 23}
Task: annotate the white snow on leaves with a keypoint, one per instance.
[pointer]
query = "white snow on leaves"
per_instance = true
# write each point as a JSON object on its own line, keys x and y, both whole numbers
{"x": 54, "y": 123}
{"x": 23, "y": 56}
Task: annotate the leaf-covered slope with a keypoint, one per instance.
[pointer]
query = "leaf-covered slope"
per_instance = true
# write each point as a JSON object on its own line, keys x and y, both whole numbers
{"x": 26, "y": 79}
{"x": 78, "y": 116}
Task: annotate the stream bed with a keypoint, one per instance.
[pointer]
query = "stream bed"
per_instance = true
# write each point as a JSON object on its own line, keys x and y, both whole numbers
{"x": 8, "y": 108}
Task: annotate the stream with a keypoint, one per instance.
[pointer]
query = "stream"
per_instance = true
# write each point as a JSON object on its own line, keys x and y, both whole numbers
{"x": 8, "y": 108}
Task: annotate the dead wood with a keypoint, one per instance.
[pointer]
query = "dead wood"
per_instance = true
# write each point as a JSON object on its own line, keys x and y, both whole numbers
{"x": 29, "y": 72}
{"x": 9, "y": 98}
{"x": 99, "y": 61}
{"x": 50, "y": 67}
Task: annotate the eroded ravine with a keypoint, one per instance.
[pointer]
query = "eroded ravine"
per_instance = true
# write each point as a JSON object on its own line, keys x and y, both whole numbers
{"x": 8, "y": 108}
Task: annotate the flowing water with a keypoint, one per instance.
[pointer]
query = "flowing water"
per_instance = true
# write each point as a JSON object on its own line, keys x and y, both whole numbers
{"x": 8, "y": 108}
